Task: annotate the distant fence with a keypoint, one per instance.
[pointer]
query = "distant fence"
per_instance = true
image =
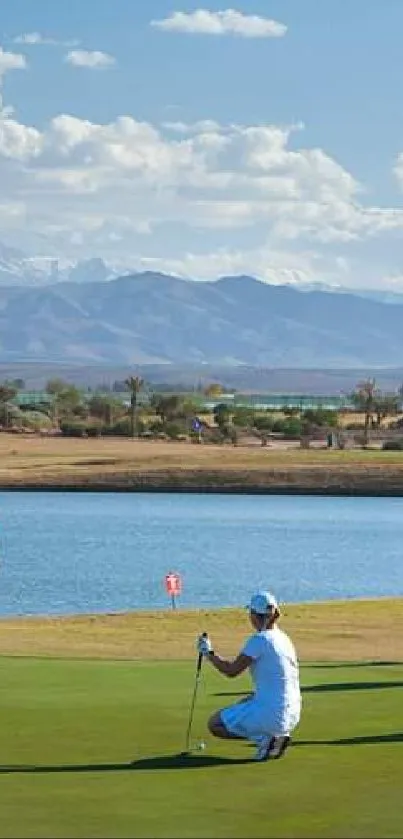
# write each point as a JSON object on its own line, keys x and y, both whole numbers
{"x": 278, "y": 402}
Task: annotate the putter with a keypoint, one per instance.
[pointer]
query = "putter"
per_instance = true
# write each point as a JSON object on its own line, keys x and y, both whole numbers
{"x": 187, "y": 750}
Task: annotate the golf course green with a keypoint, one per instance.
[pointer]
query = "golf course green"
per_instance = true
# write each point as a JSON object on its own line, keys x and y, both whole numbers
{"x": 90, "y": 748}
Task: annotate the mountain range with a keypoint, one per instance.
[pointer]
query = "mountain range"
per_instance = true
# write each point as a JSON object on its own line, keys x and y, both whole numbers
{"x": 16, "y": 268}
{"x": 153, "y": 318}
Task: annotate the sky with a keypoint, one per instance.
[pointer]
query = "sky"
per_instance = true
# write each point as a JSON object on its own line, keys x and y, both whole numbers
{"x": 261, "y": 138}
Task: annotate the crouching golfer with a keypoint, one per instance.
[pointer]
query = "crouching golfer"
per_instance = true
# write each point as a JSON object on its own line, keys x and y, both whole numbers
{"x": 270, "y": 714}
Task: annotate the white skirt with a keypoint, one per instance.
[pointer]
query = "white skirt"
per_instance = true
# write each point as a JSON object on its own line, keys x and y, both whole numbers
{"x": 249, "y": 719}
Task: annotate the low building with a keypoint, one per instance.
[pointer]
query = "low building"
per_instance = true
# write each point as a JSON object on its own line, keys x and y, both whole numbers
{"x": 33, "y": 398}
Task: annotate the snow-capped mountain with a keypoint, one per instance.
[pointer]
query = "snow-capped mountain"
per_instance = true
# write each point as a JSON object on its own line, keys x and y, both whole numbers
{"x": 18, "y": 269}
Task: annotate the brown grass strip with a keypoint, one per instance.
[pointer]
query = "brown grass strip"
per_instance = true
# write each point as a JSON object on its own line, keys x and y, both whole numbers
{"x": 370, "y": 630}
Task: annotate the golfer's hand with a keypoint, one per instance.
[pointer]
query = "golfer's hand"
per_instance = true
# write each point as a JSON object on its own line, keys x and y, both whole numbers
{"x": 204, "y": 646}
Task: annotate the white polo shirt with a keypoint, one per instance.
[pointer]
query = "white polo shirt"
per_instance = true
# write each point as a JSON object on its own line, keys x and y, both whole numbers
{"x": 275, "y": 674}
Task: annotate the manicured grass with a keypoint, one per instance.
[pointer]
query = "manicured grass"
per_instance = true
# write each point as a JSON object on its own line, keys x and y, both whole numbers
{"x": 71, "y": 728}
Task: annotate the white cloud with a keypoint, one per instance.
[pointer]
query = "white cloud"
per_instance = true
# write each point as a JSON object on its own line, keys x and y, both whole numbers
{"x": 11, "y": 61}
{"x": 165, "y": 196}
{"x": 227, "y": 22}
{"x": 193, "y": 127}
{"x": 92, "y": 60}
{"x": 19, "y": 142}
{"x": 276, "y": 267}
{"x": 36, "y": 39}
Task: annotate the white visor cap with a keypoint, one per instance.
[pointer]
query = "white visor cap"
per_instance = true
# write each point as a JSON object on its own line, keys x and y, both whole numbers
{"x": 262, "y": 603}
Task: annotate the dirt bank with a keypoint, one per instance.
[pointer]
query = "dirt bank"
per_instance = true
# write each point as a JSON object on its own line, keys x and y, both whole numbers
{"x": 336, "y": 480}
{"x": 135, "y": 466}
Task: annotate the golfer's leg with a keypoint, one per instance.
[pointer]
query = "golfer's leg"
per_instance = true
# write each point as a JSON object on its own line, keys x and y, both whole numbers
{"x": 217, "y": 728}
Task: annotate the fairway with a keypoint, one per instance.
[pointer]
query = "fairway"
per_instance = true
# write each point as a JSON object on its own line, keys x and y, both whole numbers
{"x": 72, "y": 728}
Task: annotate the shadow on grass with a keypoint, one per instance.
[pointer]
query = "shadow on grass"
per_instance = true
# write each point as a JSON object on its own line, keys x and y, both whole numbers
{"x": 180, "y": 761}
{"x": 332, "y": 686}
{"x": 335, "y": 686}
{"x": 331, "y": 665}
{"x": 177, "y": 761}
{"x": 364, "y": 740}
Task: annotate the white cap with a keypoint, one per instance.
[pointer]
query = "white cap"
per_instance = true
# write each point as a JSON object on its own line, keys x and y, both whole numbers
{"x": 262, "y": 602}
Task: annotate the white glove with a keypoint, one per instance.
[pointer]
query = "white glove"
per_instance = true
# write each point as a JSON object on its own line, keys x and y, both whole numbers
{"x": 204, "y": 645}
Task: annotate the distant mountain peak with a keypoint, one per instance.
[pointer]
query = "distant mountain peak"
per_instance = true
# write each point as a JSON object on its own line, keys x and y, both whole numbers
{"x": 155, "y": 318}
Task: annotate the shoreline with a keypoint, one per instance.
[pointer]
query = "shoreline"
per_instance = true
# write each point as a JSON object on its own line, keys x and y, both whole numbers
{"x": 195, "y": 611}
{"x": 369, "y": 480}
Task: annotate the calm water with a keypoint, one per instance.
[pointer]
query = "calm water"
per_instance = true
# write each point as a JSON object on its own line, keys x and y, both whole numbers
{"x": 64, "y": 553}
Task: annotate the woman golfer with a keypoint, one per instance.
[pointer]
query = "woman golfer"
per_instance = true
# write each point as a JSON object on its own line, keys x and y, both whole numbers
{"x": 270, "y": 714}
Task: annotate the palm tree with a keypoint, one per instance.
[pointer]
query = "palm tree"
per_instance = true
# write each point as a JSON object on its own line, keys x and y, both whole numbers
{"x": 134, "y": 384}
{"x": 365, "y": 398}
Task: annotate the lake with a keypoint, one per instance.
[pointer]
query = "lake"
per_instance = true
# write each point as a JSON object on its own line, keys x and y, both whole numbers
{"x": 64, "y": 553}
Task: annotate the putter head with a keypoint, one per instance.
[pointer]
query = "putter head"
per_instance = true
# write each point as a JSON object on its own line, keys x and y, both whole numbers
{"x": 194, "y": 748}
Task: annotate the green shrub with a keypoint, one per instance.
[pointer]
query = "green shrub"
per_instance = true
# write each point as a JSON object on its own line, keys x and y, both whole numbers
{"x": 94, "y": 429}
{"x": 243, "y": 417}
{"x": 174, "y": 430}
{"x": 10, "y": 415}
{"x": 265, "y": 422}
{"x": 35, "y": 420}
{"x": 321, "y": 417}
{"x": 393, "y": 445}
{"x": 121, "y": 428}
{"x": 155, "y": 426}
{"x": 73, "y": 429}
{"x": 278, "y": 426}
{"x": 292, "y": 428}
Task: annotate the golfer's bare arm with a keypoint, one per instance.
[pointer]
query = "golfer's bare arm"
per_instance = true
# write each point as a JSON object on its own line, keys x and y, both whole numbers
{"x": 230, "y": 668}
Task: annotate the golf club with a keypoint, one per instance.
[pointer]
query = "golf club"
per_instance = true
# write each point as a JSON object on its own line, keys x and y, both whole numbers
{"x": 192, "y": 706}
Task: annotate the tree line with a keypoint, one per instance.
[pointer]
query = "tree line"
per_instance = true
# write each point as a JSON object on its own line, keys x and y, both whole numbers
{"x": 154, "y": 413}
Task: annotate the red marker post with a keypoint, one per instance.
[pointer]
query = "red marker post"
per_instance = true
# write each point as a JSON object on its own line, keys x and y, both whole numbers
{"x": 173, "y": 587}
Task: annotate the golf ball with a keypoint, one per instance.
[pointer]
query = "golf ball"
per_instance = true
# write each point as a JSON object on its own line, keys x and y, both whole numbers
{"x": 201, "y": 746}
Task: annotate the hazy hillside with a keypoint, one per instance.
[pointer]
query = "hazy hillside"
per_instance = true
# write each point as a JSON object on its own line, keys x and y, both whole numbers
{"x": 188, "y": 377}
{"x": 152, "y": 318}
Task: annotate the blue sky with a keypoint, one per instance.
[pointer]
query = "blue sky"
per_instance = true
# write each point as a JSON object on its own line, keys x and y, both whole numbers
{"x": 275, "y": 155}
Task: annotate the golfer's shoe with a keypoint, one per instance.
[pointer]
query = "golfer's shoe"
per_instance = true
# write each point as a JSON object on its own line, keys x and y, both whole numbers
{"x": 271, "y": 748}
